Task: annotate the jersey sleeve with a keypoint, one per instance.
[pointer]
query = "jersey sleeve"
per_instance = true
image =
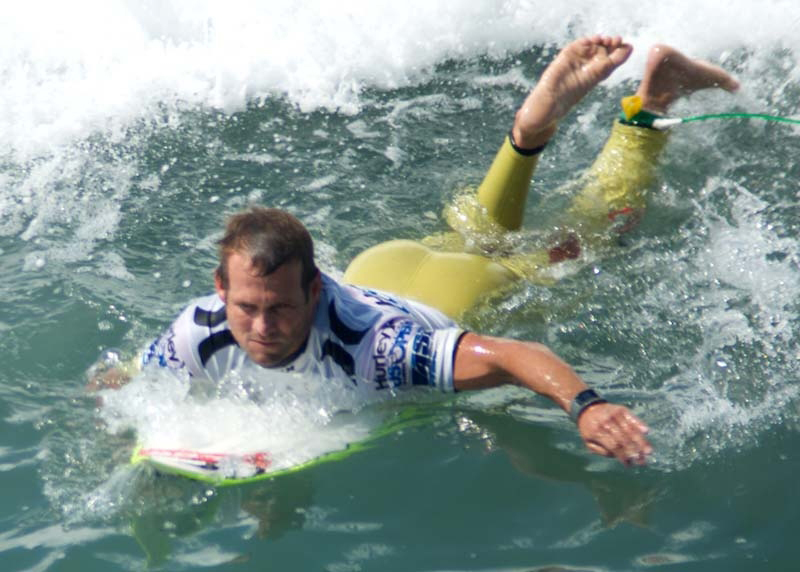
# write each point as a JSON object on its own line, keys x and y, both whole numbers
{"x": 174, "y": 348}
{"x": 404, "y": 352}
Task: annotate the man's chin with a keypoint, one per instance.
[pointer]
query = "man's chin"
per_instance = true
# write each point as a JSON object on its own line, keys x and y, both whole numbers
{"x": 276, "y": 354}
{"x": 266, "y": 359}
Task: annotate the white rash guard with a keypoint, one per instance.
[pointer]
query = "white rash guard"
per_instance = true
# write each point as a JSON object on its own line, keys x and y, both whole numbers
{"x": 365, "y": 335}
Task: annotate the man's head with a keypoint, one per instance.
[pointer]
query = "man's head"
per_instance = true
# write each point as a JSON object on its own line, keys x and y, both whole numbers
{"x": 269, "y": 283}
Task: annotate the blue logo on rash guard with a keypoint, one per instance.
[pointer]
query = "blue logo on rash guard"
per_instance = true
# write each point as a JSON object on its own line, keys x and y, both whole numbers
{"x": 164, "y": 350}
{"x": 390, "y": 352}
{"x": 421, "y": 359}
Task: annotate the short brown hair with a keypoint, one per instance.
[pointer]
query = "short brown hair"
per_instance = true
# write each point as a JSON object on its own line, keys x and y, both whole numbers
{"x": 271, "y": 238}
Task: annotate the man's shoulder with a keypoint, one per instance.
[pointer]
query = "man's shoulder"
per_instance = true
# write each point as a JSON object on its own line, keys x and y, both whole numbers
{"x": 209, "y": 302}
{"x": 388, "y": 340}
{"x": 367, "y": 309}
{"x": 198, "y": 333}
{"x": 205, "y": 313}
{"x": 202, "y": 318}
{"x": 356, "y": 305}
{"x": 343, "y": 293}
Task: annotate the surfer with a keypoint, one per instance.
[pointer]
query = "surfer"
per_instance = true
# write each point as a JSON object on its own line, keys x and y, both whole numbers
{"x": 273, "y": 308}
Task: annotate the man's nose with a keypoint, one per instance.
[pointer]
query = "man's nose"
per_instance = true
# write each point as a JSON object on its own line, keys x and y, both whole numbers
{"x": 264, "y": 323}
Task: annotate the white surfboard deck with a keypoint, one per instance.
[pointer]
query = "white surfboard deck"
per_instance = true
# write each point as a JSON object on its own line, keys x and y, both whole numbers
{"x": 228, "y": 468}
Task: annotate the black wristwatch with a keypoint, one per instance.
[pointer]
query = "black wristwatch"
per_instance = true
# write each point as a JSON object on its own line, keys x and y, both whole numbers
{"x": 582, "y": 402}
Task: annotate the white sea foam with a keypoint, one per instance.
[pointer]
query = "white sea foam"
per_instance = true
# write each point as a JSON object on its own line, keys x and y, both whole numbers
{"x": 71, "y": 69}
{"x": 738, "y": 254}
{"x": 293, "y": 418}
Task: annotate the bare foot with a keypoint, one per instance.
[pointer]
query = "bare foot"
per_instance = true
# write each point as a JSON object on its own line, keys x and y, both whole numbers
{"x": 571, "y": 75}
{"x": 669, "y": 74}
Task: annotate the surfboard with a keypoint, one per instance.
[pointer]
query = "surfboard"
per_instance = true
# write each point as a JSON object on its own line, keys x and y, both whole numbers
{"x": 222, "y": 468}
{"x": 228, "y": 468}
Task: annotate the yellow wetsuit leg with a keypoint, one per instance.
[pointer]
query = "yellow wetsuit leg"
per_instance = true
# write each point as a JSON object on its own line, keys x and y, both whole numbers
{"x": 504, "y": 189}
{"x": 615, "y": 187}
{"x": 480, "y": 220}
{"x": 439, "y": 273}
{"x": 611, "y": 200}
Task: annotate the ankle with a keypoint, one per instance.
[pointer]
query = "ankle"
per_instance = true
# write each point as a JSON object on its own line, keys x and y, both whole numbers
{"x": 532, "y": 139}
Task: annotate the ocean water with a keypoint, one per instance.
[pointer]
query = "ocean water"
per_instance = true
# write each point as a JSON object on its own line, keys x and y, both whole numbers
{"x": 131, "y": 129}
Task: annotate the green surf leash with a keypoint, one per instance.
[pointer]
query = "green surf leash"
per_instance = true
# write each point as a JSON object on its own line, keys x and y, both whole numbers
{"x": 633, "y": 114}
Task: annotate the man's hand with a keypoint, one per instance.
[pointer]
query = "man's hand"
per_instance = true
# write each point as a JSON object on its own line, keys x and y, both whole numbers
{"x": 113, "y": 378}
{"x": 109, "y": 371}
{"x": 613, "y": 431}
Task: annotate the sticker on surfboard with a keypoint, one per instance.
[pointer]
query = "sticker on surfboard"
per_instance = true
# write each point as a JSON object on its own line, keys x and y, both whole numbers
{"x": 227, "y": 468}
{"x": 206, "y": 464}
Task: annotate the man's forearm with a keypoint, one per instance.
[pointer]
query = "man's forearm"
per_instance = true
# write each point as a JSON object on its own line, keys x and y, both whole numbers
{"x": 606, "y": 429}
{"x": 483, "y": 362}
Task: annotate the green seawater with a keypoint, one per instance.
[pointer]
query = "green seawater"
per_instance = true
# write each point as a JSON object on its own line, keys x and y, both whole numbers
{"x": 692, "y": 321}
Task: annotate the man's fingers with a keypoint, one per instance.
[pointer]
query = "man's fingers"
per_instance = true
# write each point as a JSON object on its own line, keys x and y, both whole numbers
{"x": 598, "y": 449}
{"x": 627, "y": 437}
{"x": 614, "y": 431}
{"x": 634, "y": 421}
{"x": 634, "y": 431}
{"x": 625, "y": 453}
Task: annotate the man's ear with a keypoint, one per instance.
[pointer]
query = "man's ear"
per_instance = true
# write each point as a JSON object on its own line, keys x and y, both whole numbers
{"x": 218, "y": 285}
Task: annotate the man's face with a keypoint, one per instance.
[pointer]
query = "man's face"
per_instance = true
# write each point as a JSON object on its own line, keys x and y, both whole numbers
{"x": 269, "y": 316}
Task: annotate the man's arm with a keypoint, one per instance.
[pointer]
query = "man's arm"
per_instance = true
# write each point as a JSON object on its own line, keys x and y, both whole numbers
{"x": 172, "y": 349}
{"x": 110, "y": 371}
{"x": 606, "y": 429}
